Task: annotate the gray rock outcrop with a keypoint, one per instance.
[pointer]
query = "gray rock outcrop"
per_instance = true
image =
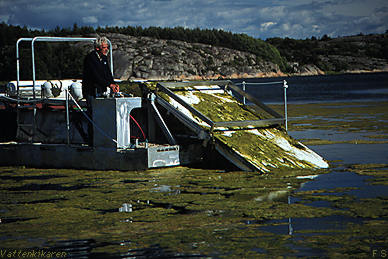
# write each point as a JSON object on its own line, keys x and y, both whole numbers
{"x": 157, "y": 59}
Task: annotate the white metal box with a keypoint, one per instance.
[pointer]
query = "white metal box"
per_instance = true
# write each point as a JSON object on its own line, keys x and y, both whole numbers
{"x": 112, "y": 119}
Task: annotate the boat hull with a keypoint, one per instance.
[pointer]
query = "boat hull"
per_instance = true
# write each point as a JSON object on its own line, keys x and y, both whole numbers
{"x": 84, "y": 157}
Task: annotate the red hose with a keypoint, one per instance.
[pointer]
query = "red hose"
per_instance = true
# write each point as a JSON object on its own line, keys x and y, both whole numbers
{"x": 142, "y": 132}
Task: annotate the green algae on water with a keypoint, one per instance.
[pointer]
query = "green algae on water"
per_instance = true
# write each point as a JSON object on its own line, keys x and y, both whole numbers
{"x": 194, "y": 212}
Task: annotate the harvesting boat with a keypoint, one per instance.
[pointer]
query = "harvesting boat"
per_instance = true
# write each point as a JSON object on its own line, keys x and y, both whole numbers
{"x": 155, "y": 124}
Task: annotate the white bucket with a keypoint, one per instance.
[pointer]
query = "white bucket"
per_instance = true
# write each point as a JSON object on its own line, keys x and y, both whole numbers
{"x": 46, "y": 90}
{"x": 76, "y": 90}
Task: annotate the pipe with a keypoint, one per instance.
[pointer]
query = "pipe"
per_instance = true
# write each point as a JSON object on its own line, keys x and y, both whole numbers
{"x": 50, "y": 39}
{"x": 67, "y": 117}
{"x": 285, "y": 86}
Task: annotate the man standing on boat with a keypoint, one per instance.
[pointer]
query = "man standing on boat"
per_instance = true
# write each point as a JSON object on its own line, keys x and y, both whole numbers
{"x": 97, "y": 77}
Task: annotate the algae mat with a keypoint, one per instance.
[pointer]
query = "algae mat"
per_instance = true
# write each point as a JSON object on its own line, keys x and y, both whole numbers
{"x": 175, "y": 211}
{"x": 340, "y": 212}
{"x": 265, "y": 148}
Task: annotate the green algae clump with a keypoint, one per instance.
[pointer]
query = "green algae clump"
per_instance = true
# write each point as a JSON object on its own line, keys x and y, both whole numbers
{"x": 265, "y": 148}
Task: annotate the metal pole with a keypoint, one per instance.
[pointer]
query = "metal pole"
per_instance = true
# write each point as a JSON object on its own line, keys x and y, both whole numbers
{"x": 17, "y": 67}
{"x": 33, "y": 86}
{"x": 290, "y": 229}
{"x": 69, "y": 39}
{"x": 67, "y": 116}
{"x": 33, "y": 68}
{"x": 285, "y": 86}
{"x": 18, "y": 61}
{"x": 49, "y": 39}
{"x": 243, "y": 86}
{"x": 111, "y": 57}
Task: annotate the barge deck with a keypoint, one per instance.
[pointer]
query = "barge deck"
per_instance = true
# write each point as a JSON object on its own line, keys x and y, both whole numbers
{"x": 168, "y": 124}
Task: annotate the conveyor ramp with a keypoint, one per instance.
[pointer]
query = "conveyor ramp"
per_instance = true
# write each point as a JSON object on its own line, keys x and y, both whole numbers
{"x": 249, "y": 136}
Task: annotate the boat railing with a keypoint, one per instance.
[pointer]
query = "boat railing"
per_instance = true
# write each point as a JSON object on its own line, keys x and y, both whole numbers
{"x": 282, "y": 83}
{"x": 19, "y": 98}
{"x": 48, "y": 39}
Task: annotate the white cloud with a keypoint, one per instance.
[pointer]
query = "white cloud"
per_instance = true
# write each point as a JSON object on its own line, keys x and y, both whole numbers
{"x": 265, "y": 26}
{"x": 278, "y": 18}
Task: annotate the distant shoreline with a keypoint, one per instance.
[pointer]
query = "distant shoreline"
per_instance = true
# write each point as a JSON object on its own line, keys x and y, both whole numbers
{"x": 267, "y": 75}
{"x": 271, "y": 75}
{"x": 355, "y": 72}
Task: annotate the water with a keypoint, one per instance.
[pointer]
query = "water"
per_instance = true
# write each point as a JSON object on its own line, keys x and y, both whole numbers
{"x": 335, "y": 88}
{"x": 195, "y": 213}
{"x": 355, "y": 153}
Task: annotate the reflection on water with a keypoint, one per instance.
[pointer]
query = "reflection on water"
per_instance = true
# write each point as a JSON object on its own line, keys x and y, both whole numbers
{"x": 334, "y": 135}
{"x": 322, "y": 89}
{"x": 126, "y": 208}
{"x": 354, "y": 153}
{"x": 187, "y": 212}
{"x": 334, "y": 179}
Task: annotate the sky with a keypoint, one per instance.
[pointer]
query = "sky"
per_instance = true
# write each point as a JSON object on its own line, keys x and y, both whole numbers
{"x": 298, "y": 19}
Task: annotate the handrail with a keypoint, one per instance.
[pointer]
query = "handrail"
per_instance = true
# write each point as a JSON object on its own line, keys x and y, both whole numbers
{"x": 18, "y": 63}
{"x": 49, "y": 39}
{"x": 254, "y": 100}
{"x": 164, "y": 87}
{"x": 194, "y": 83}
{"x": 285, "y": 86}
{"x": 264, "y": 83}
{"x": 246, "y": 123}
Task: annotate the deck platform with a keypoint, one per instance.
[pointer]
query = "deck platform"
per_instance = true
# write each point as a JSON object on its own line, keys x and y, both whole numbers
{"x": 40, "y": 155}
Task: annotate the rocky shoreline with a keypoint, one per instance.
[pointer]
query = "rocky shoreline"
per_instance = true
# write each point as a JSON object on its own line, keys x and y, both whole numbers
{"x": 155, "y": 59}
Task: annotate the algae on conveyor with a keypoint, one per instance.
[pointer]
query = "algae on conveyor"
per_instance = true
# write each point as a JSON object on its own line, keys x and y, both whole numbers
{"x": 243, "y": 132}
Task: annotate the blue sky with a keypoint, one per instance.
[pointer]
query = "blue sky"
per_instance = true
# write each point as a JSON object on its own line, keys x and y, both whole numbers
{"x": 258, "y": 18}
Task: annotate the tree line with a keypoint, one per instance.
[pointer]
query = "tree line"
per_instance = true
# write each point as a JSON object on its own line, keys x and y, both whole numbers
{"x": 318, "y": 51}
{"x": 61, "y": 61}
{"x": 54, "y": 56}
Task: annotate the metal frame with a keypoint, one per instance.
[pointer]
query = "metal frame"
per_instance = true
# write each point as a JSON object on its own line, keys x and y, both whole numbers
{"x": 227, "y": 85}
{"x": 246, "y": 123}
{"x": 278, "y": 119}
{"x": 285, "y": 86}
{"x": 164, "y": 88}
{"x": 201, "y": 134}
{"x": 254, "y": 101}
{"x": 48, "y": 39}
{"x": 170, "y": 138}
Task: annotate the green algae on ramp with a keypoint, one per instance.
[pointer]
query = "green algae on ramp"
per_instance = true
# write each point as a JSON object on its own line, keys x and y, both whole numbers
{"x": 263, "y": 148}
{"x": 271, "y": 148}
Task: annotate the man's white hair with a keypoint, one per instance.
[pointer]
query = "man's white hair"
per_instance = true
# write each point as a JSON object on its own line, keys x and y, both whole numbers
{"x": 99, "y": 41}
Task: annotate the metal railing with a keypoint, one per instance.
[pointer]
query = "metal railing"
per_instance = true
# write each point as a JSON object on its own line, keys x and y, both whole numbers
{"x": 285, "y": 86}
{"x": 205, "y": 134}
{"x": 48, "y": 39}
{"x": 226, "y": 86}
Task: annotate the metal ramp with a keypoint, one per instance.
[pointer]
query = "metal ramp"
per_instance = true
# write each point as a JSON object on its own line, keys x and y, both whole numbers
{"x": 209, "y": 123}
